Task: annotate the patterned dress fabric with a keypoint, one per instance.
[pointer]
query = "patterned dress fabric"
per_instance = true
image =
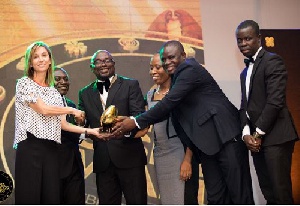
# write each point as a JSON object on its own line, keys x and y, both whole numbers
{"x": 41, "y": 126}
{"x": 168, "y": 154}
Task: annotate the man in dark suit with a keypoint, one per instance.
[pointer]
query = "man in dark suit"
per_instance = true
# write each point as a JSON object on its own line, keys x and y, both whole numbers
{"x": 71, "y": 166}
{"x": 119, "y": 164}
{"x": 207, "y": 122}
{"x": 268, "y": 128}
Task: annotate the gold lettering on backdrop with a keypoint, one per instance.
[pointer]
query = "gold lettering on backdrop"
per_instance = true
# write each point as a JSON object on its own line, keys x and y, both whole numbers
{"x": 3, "y": 188}
{"x": 6, "y": 186}
{"x": 129, "y": 44}
{"x": 270, "y": 41}
{"x": 91, "y": 199}
{"x": 85, "y": 147}
{"x": 190, "y": 52}
{"x": 75, "y": 48}
{"x": 150, "y": 178}
{"x": 21, "y": 64}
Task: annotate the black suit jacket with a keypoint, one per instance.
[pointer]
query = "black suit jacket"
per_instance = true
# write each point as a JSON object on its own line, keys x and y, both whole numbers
{"x": 202, "y": 112}
{"x": 267, "y": 106}
{"x": 127, "y": 96}
{"x": 69, "y": 149}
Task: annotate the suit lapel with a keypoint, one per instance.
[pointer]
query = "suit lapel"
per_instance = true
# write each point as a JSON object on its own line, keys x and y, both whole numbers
{"x": 178, "y": 70}
{"x": 95, "y": 96}
{"x": 243, "y": 86}
{"x": 70, "y": 118}
{"x": 113, "y": 91}
{"x": 255, "y": 67}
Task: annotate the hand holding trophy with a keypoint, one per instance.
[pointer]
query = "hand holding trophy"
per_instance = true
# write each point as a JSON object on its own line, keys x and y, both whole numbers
{"x": 110, "y": 120}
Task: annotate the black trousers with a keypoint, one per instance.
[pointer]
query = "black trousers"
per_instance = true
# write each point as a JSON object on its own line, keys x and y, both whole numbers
{"x": 227, "y": 175}
{"x": 192, "y": 185}
{"x": 36, "y": 172}
{"x": 114, "y": 181}
{"x": 73, "y": 187}
{"x": 273, "y": 169}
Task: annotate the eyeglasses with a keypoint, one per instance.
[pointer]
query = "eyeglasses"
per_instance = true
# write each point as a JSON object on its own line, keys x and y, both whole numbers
{"x": 99, "y": 62}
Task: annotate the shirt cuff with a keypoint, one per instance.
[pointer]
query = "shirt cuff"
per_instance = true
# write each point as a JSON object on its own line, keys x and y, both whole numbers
{"x": 259, "y": 131}
{"x": 246, "y": 131}
{"x": 82, "y": 137}
{"x": 136, "y": 124}
{"x": 127, "y": 135}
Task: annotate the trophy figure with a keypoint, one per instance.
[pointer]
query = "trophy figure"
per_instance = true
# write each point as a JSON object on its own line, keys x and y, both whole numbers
{"x": 108, "y": 119}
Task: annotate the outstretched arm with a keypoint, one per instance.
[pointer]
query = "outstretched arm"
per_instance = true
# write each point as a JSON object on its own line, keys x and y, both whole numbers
{"x": 47, "y": 110}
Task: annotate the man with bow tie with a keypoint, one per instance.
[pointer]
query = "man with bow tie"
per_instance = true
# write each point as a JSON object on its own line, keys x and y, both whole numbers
{"x": 119, "y": 164}
{"x": 268, "y": 128}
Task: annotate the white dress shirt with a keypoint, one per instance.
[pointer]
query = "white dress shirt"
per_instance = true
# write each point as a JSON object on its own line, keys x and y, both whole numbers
{"x": 246, "y": 129}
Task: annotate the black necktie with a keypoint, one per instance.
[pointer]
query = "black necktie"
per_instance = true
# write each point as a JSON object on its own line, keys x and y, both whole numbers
{"x": 247, "y": 61}
{"x": 64, "y": 101}
{"x": 100, "y": 85}
{"x": 68, "y": 116}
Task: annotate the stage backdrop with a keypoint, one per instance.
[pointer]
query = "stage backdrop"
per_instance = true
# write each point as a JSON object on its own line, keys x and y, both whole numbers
{"x": 132, "y": 30}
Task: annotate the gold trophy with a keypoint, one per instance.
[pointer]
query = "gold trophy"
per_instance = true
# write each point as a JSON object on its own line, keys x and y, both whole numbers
{"x": 108, "y": 119}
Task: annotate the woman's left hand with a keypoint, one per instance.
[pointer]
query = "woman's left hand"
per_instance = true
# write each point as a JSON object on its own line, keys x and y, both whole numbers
{"x": 185, "y": 170}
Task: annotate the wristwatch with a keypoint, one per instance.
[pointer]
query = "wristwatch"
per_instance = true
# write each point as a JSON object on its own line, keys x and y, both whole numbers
{"x": 257, "y": 135}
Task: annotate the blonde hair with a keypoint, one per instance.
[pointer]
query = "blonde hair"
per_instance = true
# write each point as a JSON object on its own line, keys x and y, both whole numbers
{"x": 29, "y": 71}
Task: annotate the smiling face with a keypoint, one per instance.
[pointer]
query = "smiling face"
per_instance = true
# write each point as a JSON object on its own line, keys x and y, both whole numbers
{"x": 248, "y": 41}
{"x": 61, "y": 82}
{"x": 159, "y": 75}
{"x": 103, "y": 65}
{"x": 40, "y": 60}
{"x": 171, "y": 57}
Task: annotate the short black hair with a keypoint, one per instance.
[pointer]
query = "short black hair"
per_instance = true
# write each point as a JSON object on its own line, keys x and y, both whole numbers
{"x": 92, "y": 64}
{"x": 249, "y": 23}
{"x": 61, "y": 69}
{"x": 174, "y": 43}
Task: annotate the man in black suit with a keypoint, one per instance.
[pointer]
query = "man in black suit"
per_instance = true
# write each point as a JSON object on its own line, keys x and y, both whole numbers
{"x": 119, "y": 164}
{"x": 71, "y": 166}
{"x": 268, "y": 128}
{"x": 207, "y": 122}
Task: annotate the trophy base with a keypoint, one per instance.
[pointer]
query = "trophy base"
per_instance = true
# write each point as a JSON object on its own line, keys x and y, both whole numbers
{"x": 106, "y": 129}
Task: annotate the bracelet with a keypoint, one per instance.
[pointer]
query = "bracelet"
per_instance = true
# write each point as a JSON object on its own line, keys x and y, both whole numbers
{"x": 85, "y": 133}
{"x": 257, "y": 135}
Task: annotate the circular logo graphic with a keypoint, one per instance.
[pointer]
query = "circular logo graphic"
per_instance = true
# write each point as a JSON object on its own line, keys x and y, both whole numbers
{"x": 6, "y": 186}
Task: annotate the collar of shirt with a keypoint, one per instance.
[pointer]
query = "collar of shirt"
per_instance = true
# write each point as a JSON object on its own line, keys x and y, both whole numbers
{"x": 255, "y": 55}
{"x": 110, "y": 78}
{"x": 105, "y": 93}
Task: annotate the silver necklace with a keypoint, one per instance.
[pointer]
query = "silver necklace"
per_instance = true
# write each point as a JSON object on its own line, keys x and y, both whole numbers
{"x": 163, "y": 93}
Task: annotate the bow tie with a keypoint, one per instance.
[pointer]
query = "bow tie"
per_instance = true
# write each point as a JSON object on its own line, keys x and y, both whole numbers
{"x": 100, "y": 85}
{"x": 247, "y": 61}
